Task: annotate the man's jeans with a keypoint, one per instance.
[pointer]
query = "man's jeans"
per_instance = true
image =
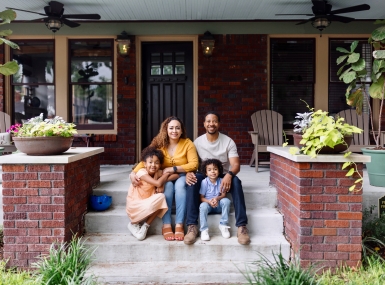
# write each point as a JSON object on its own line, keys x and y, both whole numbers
{"x": 222, "y": 208}
{"x": 193, "y": 201}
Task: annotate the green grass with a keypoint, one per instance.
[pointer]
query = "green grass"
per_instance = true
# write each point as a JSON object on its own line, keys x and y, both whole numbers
{"x": 13, "y": 277}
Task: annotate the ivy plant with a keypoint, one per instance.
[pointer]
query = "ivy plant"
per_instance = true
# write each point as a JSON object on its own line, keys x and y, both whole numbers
{"x": 10, "y": 67}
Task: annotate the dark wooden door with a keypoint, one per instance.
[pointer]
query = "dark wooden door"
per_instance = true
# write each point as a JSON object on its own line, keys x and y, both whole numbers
{"x": 167, "y": 86}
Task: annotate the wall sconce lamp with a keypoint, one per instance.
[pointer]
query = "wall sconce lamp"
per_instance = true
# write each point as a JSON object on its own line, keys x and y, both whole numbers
{"x": 207, "y": 43}
{"x": 320, "y": 24}
{"x": 124, "y": 43}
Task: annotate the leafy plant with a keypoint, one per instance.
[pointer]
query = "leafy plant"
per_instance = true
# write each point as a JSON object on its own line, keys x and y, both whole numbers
{"x": 354, "y": 70}
{"x": 373, "y": 233}
{"x": 37, "y": 127}
{"x": 66, "y": 264}
{"x": 10, "y": 67}
{"x": 278, "y": 272}
{"x": 13, "y": 277}
{"x": 302, "y": 123}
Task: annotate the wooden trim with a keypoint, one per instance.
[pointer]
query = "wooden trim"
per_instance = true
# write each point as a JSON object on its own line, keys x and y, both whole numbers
{"x": 139, "y": 82}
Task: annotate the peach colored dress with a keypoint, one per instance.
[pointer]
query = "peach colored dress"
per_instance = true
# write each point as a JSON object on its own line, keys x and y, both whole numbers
{"x": 142, "y": 201}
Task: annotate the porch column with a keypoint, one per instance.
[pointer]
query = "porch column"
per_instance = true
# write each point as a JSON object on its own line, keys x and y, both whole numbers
{"x": 322, "y": 218}
{"x": 45, "y": 199}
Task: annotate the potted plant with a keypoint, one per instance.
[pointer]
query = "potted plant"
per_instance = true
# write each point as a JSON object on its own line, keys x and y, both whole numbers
{"x": 354, "y": 71}
{"x": 43, "y": 137}
{"x": 10, "y": 67}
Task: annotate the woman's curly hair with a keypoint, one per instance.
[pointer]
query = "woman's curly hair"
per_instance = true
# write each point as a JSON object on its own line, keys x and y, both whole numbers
{"x": 161, "y": 139}
{"x": 215, "y": 162}
{"x": 150, "y": 152}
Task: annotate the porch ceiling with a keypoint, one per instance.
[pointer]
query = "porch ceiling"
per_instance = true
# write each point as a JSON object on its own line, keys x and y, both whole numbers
{"x": 193, "y": 10}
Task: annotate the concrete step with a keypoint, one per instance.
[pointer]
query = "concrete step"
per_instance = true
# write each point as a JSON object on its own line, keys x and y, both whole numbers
{"x": 170, "y": 273}
{"x": 266, "y": 221}
{"x": 114, "y": 248}
{"x": 265, "y": 197}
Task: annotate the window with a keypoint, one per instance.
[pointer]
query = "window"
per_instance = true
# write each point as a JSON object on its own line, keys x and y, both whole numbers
{"x": 337, "y": 88}
{"x": 91, "y": 83}
{"x": 291, "y": 77}
{"x": 33, "y": 86}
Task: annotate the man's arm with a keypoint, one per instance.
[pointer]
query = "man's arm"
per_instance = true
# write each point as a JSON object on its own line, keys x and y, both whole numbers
{"x": 234, "y": 168}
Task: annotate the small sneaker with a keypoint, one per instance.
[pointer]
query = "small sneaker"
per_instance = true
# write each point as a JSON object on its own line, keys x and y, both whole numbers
{"x": 224, "y": 230}
{"x": 191, "y": 236}
{"x": 134, "y": 229}
{"x": 205, "y": 235}
{"x": 243, "y": 235}
{"x": 143, "y": 231}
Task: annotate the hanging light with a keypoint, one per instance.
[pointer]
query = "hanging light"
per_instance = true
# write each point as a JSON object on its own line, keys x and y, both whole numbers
{"x": 207, "y": 43}
{"x": 53, "y": 24}
{"x": 124, "y": 43}
{"x": 320, "y": 23}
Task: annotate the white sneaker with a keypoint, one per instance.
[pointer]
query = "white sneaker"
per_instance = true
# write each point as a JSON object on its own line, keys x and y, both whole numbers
{"x": 134, "y": 229}
{"x": 225, "y": 231}
{"x": 143, "y": 231}
{"x": 205, "y": 235}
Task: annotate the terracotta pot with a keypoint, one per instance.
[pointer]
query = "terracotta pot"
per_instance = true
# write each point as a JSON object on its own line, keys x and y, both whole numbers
{"x": 43, "y": 145}
{"x": 326, "y": 150}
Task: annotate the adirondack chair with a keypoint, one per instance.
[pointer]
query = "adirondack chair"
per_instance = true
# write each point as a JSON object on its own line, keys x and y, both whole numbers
{"x": 267, "y": 125}
{"x": 5, "y": 123}
{"x": 361, "y": 121}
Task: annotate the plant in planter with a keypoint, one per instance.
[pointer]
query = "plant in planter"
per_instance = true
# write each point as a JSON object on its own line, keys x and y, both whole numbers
{"x": 354, "y": 71}
{"x": 29, "y": 137}
{"x": 10, "y": 67}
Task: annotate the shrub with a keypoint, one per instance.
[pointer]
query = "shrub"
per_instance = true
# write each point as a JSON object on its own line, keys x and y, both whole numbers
{"x": 13, "y": 277}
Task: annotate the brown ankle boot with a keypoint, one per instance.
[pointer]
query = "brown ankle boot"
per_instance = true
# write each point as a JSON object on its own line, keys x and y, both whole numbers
{"x": 243, "y": 235}
{"x": 192, "y": 233}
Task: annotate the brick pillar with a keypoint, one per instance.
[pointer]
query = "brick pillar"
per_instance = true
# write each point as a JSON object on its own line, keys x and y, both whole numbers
{"x": 322, "y": 219}
{"x": 44, "y": 203}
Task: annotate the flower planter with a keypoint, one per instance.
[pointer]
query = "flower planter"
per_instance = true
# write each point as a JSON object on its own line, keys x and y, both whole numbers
{"x": 42, "y": 145}
{"x": 376, "y": 166}
{"x": 326, "y": 150}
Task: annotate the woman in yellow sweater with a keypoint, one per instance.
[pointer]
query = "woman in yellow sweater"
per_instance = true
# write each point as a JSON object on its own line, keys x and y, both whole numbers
{"x": 180, "y": 156}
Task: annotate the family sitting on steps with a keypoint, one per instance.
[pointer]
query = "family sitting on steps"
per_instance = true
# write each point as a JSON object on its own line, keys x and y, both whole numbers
{"x": 169, "y": 169}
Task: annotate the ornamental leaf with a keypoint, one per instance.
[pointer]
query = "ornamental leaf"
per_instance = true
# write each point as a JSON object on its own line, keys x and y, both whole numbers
{"x": 8, "y": 42}
{"x": 378, "y": 34}
{"x": 379, "y": 54}
{"x": 350, "y": 172}
{"x": 9, "y": 68}
{"x": 349, "y": 77}
{"x": 341, "y": 59}
{"x": 354, "y": 57}
{"x": 377, "y": 88}
{"x": 359, "y": 65}
{"x": 353, "y": 46}
{"x": 346, "y": 164}
{"x": 7, "y": 16}
{"x": 340, "y": 49}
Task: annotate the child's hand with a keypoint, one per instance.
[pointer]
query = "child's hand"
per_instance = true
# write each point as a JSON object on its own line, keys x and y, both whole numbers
{"x": 159, "y": 190}
{"x": 214, "y": 203}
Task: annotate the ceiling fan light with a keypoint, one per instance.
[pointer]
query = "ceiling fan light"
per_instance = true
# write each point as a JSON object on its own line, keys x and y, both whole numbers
{"x": 320, "y": 23}
{"x": 53, "y": 24}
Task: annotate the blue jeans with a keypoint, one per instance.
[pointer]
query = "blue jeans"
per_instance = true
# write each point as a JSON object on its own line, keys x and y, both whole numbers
{"x": 193, "y": 201}
{"x": 222, "y": 208}
{"x": 175, "y": 188}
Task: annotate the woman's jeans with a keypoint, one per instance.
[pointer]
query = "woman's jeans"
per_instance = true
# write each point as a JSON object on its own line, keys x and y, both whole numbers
{"x": 222, "y": 208}
{"x": 175, "y": 188}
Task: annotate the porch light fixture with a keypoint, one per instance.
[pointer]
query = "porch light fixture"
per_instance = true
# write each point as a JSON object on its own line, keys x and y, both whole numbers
{"x": 53, "y": 24}
{"x": 207, "y": 43}
{"x": 124, "y": 43}
{"x": 320, "y": 23}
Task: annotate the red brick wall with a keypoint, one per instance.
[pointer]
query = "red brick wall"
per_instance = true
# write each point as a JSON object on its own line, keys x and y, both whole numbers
{"x": 322, "y": 219}
{"x": 233, "y": 82}
{"x": 44, "y": 203}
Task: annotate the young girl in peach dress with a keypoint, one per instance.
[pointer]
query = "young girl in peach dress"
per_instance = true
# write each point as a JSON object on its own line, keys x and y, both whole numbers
{"x": 146, "y": 201}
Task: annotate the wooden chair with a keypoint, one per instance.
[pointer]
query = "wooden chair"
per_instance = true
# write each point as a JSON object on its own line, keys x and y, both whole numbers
{"x": 5, "y": 124}
{"x": 361, "y": 121}
{"x": 267, "y": 125}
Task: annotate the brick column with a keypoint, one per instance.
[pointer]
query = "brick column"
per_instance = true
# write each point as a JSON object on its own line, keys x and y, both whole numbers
{"x": 44, "y": 203}
{"x": 322, "y": 219}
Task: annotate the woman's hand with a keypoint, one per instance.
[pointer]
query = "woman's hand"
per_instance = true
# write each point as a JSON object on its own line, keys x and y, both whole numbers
{"x": 191, "y": 179}
{"x": 226, "y": 183}
{"x": 134, "y": 179}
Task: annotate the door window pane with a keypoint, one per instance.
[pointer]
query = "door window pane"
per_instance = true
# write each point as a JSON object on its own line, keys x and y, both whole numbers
{"x": 179, "y": 57}
{"x": 167, "y": 69}
{"x": 167, "y": 57}
{"x": 155, "y": 70}
{"x": 179, "y": 69}
{"x": 155, "y": 57}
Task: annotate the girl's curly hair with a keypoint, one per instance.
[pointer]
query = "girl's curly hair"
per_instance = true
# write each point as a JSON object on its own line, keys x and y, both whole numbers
{"x": 150, "y": 152}
{"x": 161, "y": 139}
{"x": 215, "y": 162}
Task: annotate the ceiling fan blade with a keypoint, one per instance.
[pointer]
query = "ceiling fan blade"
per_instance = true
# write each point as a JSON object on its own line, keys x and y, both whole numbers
{"x": 351, "y": 9}
{"x": 319, "y": 5}
{"x": 25, "y": 11}
{"x": 70, "y": 23}
{"x": 82, "y": 16}
{"x": 342, "y": 19}
{"x": 56, "y": 7}
{"x": 309, "y": 15}
{"x": 305, "y": 21}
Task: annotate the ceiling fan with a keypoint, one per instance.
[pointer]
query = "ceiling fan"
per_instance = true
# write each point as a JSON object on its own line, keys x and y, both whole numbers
{"x": 323, "y": 14}
{"x": 55, "y": 16}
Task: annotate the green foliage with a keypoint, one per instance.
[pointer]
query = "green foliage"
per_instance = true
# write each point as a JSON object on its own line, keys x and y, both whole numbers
{"x": 66, "y": 264}
{"x": 373, "y": 233}
{"x": 37, "y": 127}
{"x": 353, "y": 70}
{"x": 371, "y": 272}
{"x": 10, "y": 67}
{"x": 13, "y": 277}
{"x": 278, "y": 272}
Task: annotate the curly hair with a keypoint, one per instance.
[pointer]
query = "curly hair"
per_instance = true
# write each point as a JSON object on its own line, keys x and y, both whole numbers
{"x": 161, "y": 139}
{"x": 150, "y": 152}
{"x": 215, "y": 162}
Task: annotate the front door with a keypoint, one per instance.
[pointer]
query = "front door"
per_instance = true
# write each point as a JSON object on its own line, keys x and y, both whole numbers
{"x": 167, "y": 86}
